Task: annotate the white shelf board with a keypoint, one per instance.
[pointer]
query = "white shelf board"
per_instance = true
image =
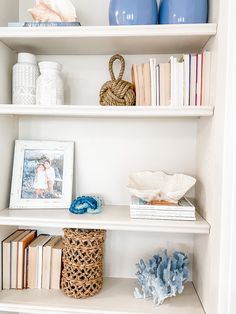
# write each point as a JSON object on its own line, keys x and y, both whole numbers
{"x": 112, "y": 218}
{"x": 115, "y": 298}
{"x": 107, "y": 111}
{"x": 95, "y": 40}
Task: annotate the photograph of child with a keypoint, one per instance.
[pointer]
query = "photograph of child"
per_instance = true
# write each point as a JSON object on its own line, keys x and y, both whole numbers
{"x": 42, "y": 174}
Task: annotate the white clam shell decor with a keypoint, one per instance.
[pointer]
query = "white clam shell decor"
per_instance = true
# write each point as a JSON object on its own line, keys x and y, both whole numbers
{"x": 53, "y": 11}
{"x": 159, "y": 186}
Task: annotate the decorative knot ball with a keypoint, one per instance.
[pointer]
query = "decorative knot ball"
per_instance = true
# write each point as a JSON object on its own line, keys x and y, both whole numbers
{"x": 117, "y": 92}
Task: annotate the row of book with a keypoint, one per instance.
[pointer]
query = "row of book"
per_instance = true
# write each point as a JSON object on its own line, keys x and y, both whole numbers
{"x": 183, "y": 81}
{"x": 184, "y": 210}
{"x": 30, "y": 261}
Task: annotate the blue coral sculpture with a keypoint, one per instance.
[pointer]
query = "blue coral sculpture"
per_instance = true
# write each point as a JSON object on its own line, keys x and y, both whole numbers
{"x": 162, "y": 277}
{"x": 87, "y": 204}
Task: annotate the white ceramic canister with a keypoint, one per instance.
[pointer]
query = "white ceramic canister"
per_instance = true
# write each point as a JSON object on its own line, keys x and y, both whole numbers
{"x": 50, "y": 89}
{"x": 25, "y": 74}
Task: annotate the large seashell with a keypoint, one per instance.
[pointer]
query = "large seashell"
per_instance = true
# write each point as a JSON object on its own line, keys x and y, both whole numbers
{"x": 159, "y": 186}
{"x": 53, "y": 11}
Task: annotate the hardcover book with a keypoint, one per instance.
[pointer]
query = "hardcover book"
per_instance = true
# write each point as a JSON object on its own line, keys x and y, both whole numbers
{"x": 43, "y": 24}
{"x": 6, "y": 259}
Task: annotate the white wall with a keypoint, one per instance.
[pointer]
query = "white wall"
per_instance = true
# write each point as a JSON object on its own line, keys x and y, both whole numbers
{"x": 121, "y": 253}
{"x": 9, "y": 12}
{"x": 85, "y": 75}
{"x": 7, "y": 59}
{"x": 107, "y": 151}
{"x": 89, "y": 13}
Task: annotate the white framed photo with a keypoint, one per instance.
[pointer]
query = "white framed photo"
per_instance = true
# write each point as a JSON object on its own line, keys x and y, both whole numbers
{"x": 42, "y": 175}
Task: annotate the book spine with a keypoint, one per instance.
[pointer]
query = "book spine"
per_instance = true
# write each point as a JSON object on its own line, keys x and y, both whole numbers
{"x": 6, "y": 266}
{"x": 186, "y": 80}
{"x": 43, "y": 24}
{"x": 158, "y": 85}
{"x": 193, "y": 81}
{"x": 20, "y": 269}
{"x": 13, "y": 265}
{"x": 26, "y": 267}
{"x": 151, "y": 217}
{"x": 153, "y": 81}
{"x": 172, "y": 81}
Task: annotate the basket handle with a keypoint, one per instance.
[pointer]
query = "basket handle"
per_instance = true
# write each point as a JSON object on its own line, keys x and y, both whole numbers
{"x": 122, "y": 70}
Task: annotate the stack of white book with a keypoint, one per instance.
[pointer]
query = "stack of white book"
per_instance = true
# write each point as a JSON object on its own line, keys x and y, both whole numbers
{"x": 184, "y": 210}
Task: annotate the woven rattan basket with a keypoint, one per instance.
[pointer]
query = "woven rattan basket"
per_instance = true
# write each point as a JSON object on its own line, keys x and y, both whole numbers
{"x": 83, "y": 251}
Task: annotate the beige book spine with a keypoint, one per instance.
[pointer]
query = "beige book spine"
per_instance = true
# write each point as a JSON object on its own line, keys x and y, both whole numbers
{"x": 147, "y": 84}
{"x": 136, "y": 83}
{"x": 32, "y": 268}
{"x": 56, "y": 269}
{"x": 141, "y": 84}
{"x": 14, "y": 264}
{"x": 165, "y": 84}
{"x": 6, "y": 261}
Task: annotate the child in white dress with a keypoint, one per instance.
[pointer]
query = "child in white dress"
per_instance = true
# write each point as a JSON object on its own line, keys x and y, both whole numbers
{"x": 50, "y": 173}
{"x": 40, "y": 182}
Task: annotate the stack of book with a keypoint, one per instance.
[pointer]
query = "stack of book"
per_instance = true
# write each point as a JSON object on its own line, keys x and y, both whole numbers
{"x": 184, "y": 210}
{"x": 30, "y": 261}
{"x": 183, "y": 81}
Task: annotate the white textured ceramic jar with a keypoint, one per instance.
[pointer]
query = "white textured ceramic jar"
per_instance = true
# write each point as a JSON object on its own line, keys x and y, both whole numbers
{"x": 50, "y": 89}
{"x": 25, "y": 74}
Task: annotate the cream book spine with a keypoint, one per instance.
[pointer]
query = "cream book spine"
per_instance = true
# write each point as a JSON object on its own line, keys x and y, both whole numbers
{"x": 56, "y": 262}
{"x": 199, "y": 79}
{"x": 193, "y": 80}
{"x": 153, "y": 63}
{"x": 147, "y": 84}
{"x": 158, "y": 85}
{"x": 40, "y": 261}
{"x": 47, "y": 261}
{"x": 186, "y": 60}
{"x": 181, "y": 84}
{"x": 14, "y": 259}
{"x": 6, "y": 259}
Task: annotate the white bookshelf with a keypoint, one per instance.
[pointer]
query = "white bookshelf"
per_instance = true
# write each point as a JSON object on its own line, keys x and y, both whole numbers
{"x": 107, "y": 112}
{"x": 109, "y": 149}
{"x": 112, "y": 218}
{"x": 115, "y": 298}
{"x": 96, "y": 40}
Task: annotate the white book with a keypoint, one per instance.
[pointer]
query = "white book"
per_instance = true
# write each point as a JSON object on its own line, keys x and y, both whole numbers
{"x": 172, "y": 88}
{"x": 14, "y": 259}
{"x": 181, "y": 84}
{"x": 40, "y": 262}
{"x": 193, "y": 78}
{"x": 183, "y": 205}
{"x": 186, "y": 59}
{"x": 199, "y": 79}
{"x": 151, "y": 217}
{"x": 153, "y": 63}
{"x": 158, "y": 85}
{"x": 206, "y": 101}
{"x": 167, "y": 214}
{"x": 176, "y": 83}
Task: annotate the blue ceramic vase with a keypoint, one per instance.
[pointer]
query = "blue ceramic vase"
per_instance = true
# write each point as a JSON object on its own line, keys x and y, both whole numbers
{"x": 183, "y": 11}
{"x": 133, "y": 12}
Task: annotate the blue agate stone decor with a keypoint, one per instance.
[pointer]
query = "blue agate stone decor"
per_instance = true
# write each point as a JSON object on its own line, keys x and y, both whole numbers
{"x": 162, "y": 277}
{"x": 183, "y": 11}
{"x": 133, "y": 12}
{"x": 87, "y": 204}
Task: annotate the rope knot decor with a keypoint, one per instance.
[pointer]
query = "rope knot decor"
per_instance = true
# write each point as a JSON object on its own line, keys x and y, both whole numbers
{"x": 117, "y": 92}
